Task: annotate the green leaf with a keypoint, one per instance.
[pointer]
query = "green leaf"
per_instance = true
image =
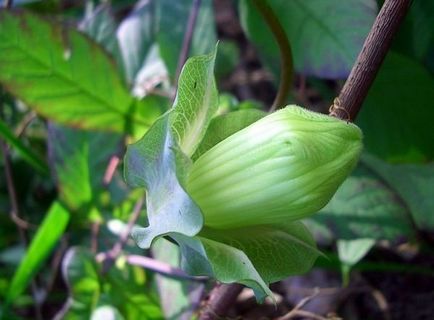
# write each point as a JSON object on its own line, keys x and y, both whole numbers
{"x": 80, "y": 159}
{"x": 156, "y": 163}
{"x": 135, "y": 35}
{"x": 225, "y": 125}
{"x": 25, "y": 152}
{"x": 276, "y": 251}
{"x": 254, "y": 256}
{"x": 363, "y": 207}
{"x": 47, "y": 66}
{"x": 396, "y": 116}
{"x": 47, "y": 236}
{"x": 322, "y": 43}
{"x": 172, "y": 27}
{"x": 413, "y": 183}
{"x": 351, "y": 252}
{"x": 121, "y": 289}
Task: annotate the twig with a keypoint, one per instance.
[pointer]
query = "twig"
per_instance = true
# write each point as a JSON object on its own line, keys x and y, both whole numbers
{"x": 94, "y": 230}
{"x": 161, "y": 268}
{"x": 295, "y": 311}
{"x": 109, "y": 257}
{"x": 187, "y": 38}
{"x": 221, "y": 298}
{"x": 285, "y": 52}
{"x": 23, "y": 125}
{"x": 366, "y": 67}
{"x": 110, "y": 170}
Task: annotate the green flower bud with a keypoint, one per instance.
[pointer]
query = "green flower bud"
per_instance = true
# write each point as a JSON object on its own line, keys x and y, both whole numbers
{"x": 283, "y": 167}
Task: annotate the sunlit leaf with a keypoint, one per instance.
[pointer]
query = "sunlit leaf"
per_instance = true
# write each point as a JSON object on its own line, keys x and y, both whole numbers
{"x": 47, "y": 66}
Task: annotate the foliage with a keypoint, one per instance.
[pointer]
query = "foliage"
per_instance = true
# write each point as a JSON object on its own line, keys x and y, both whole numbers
{"x": 81, "y": 90}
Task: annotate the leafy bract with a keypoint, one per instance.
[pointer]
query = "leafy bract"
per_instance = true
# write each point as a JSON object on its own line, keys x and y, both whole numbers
{"x": 120, "y": 292}
{"x": 322, "y": 44}
{"x": 48, "y": 234}
{"x": 158, "y": 161}
{"x": 47, "y": 66}
{"x": 401, "y": 128}
{"x": 254, "y": 256}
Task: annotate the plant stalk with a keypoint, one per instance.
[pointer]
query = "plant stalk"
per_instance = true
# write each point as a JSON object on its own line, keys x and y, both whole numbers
{"x": 370, "y": 58}
{"x": 286, "y": 73}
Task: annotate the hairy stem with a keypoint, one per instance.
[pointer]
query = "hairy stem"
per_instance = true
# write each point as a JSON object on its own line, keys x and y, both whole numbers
{"x": 286, "y": 72}
{"x": 370, "y": 58}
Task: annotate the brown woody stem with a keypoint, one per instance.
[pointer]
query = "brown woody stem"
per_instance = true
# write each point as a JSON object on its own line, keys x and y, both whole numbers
{"x": 370, "y": 58}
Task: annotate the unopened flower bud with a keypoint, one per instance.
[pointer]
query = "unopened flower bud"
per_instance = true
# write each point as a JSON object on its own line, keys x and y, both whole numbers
{"x": 281, "y": 168}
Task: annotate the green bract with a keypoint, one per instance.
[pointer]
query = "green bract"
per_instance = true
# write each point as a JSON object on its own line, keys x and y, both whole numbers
{"x": 283, "y": 167}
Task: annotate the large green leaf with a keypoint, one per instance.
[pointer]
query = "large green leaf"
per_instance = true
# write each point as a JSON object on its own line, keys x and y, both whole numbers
{"x": 157, "y": 162}
{"x": 322, "y": 43}
{"x": 173, "y": 17}
{"x": 254, "y": 256}
{"x": 47, "y": 66}
{"x": 396, "y": 117}
{"x": 25, "y": 152}
{"x": 413, "y": 183}
{"x": 80, "y": 159}
{"x": 363, "y": 207}
{"x": 42, "y": 244}
{"x": 121, "y": 290}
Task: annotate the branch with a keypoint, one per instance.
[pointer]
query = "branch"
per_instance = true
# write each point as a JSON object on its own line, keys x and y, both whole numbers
{"x": 162, "y": 268}
{"x": 110, "y": 256}
{"x": 370, "y": 58}
{"x": 187, "y": 38}
{"x": 221, "y": 298}
{"x": 297, "y": 312}
{"x": 285, "y": 52}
